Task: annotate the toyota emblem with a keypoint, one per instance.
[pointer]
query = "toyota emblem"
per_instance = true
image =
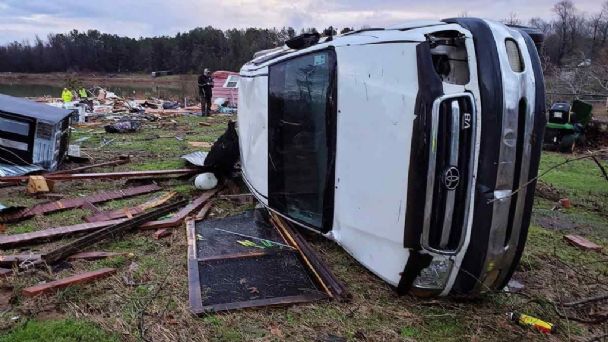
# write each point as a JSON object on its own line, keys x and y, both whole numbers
{"x": 451, "y": 178}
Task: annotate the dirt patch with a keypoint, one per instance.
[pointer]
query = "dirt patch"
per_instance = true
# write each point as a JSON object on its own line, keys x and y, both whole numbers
{"x": 555, "y": 223}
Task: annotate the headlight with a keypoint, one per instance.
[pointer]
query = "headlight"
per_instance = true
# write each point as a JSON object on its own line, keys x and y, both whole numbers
{"x": 435, "y": 276}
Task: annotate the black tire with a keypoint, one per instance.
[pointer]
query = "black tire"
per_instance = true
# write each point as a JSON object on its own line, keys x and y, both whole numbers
{"x": 568, "y": 143}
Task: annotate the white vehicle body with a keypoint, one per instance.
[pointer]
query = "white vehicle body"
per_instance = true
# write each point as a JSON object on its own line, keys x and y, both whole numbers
{"x": 368, "y": 151}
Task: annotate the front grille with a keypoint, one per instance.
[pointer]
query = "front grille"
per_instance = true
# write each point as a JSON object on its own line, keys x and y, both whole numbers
{"x": 450, "y": 169}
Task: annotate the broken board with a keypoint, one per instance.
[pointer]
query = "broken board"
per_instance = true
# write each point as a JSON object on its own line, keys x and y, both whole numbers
{"x": 224, "y": 273}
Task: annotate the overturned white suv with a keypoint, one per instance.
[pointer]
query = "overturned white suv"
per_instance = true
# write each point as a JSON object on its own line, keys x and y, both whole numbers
{"x": 412, "y": 147}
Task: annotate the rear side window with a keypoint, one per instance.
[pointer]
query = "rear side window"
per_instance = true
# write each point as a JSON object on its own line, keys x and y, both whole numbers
{"x": 514, "y": 55}
{"x": 301, "y": 116}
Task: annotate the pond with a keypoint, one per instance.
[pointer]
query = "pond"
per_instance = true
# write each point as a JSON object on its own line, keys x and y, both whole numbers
{"x": 177, "y": 90}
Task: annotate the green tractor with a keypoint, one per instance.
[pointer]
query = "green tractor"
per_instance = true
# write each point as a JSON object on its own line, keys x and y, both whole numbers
{"x": 566, "y": 125}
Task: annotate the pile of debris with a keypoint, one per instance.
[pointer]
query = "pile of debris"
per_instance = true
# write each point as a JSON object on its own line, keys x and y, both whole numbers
{"x": 103, "y": 105}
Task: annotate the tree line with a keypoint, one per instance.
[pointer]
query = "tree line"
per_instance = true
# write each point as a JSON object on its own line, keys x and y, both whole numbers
{"x": 571, "y": 38}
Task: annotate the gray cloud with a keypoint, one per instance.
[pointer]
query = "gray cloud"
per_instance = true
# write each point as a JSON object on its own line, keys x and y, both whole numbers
{"x": 21, "y": 19}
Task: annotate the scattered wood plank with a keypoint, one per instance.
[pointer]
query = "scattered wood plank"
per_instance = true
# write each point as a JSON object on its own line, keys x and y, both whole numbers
{"x": 582, "y": 243}
{"x": 130, "y": 212}
{"x": 161, "y": 233}
{"x": 181, "y": 215}
{"x": 204, "y": 211}
{"x": 75, "y": 202}
{"x": 81, "y": 278}
{"x": 202, "y": 144}
{"x": 109, "y": 175}
{"x": 312, "y": 259}
{"x": 16, "y": 240}
{"x": 5, "y": 272}
{"x": 112, "y": 231}
{"x": 16, "y": 259}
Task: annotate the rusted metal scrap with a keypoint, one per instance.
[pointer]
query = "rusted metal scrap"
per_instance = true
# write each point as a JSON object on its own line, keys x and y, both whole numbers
{"x": 112, "y": 231}
{"x": 108, "y": 175}
{"x": 71, "y": 203}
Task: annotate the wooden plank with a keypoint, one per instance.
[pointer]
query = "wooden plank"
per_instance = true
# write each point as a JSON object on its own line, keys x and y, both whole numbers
{"x": 161, "y": 233}
{"x": 204, "y": 211}
{"x": 112, "y": 231}
{"x": 582, "y": 243}
{"x": 76, "y": 202}
{"x": 50, "y": 234}
{"x": 69, "y": 281}
{"x": 181, "y": 215}
{"x": 304, "y": 298}
{"x": 15, "y": 259}
{"x": 195, "y": 297}
{"x": 130, "y": 212}
{"x": 5, "y": 272}
{"x": 110, "y": 175}
{"x": 336, "y": 287}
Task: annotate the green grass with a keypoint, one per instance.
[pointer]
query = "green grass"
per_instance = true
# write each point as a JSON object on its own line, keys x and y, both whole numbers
{"x": 67, "y": 330}
{"x": 580, "y": 180}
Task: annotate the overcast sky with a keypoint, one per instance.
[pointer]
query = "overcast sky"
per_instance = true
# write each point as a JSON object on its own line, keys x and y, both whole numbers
{"x": 23, "y": 19}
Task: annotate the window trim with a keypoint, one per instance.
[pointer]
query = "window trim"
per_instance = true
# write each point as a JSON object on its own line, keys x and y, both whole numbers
{"x": 238, "y": 81}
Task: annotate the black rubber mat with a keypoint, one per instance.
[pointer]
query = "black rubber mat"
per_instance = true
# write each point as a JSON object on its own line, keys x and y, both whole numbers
{"x": 213, "y": 242}
{"x": 233, "y": 276}
{"x": 239, "y": 280}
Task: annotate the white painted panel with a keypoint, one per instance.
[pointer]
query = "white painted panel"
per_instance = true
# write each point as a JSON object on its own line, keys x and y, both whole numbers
{"x": 253, "y": 132}
{"x": 377, "y": 87}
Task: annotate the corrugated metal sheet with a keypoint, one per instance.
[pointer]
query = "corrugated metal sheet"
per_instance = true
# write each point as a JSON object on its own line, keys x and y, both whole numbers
{"x": 7, "y": 170}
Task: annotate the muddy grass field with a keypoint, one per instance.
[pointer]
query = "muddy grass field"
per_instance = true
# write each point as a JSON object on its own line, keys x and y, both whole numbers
{"x": 147, "y": 299}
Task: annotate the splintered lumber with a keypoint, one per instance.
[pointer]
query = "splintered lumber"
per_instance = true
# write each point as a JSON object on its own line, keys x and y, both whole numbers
{"x": 181, "y": 215}
{"x": 16, "y": 259}
{"x": 112, "y": 231}
{"x": 130, "y": 212}
{"x": 5, "y": 272}
{"x": 319, "y": 268}
{"x": 16, "y": 240}
{"x": 69, "y": 281}
{"x": 108, "y": 175}
{"x": 161, "y": 233}
{"x": 71, "y": 203}
{"x": 582, "y": 243}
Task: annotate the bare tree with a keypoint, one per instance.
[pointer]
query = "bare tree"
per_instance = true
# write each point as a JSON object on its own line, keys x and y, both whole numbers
{"x": 565, "y": 12}
{"x": 540, "y": 24}
{"x": 512, "y": 19}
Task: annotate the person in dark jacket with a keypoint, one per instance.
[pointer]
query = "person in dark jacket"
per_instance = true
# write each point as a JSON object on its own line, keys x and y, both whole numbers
{"x": 205, "y": 86}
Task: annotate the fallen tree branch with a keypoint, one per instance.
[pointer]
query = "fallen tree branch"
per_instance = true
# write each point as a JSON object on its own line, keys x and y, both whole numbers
{"x": 586, "y": 300}
{"x": 591, "y": 155}
{"x": 597, "y": 162}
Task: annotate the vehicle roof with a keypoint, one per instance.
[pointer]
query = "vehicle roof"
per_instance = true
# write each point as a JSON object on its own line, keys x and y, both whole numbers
{"x": 20, "y": 106}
